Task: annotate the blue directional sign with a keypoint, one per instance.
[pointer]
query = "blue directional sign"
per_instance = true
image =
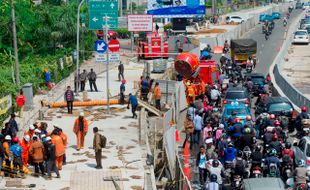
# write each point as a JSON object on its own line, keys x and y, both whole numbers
{"x": 101, "y": 46}
{"x": 98, "y": 10}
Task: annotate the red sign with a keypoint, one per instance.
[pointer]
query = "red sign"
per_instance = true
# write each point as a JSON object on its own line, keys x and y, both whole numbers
{"x": 114, "y": 45}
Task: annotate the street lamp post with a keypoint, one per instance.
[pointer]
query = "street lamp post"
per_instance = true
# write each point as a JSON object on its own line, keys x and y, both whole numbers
{"x": 78, "y": 45}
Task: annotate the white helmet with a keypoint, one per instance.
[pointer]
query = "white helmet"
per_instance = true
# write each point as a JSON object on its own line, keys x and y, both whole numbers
{"x": 27, "y": 138}
{"x": 31, "y": 127}
{"x": 48, "y": 138}
{"x": 221, "y": 126}
{"x": 37, "y": 131}
{"x": 43, "y": 136}
{"x": 82, "y": 114}
{"x": 8, "y": 137}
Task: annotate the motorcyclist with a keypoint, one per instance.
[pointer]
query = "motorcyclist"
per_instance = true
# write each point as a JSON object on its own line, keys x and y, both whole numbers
{"x": 301, "y": 174}
{"x": 276, "y": 144}
{"x": 260, "y": 123}
{"x": 230, "y": 153}
{"x": 257, "y": 156}
{"x": 267, "y": 138}
{"x": 247, "y": 139}
{"x": 223, "y": 60}
{"x": 273, "y": 163}
{"x": 249, "y": 84}
{"x": 231, "y": 119}
{"x": 284, "y": 21}
{"x": 287, "y": 157}
{"x": 236, "y": 129}
{"x": 213, "y": 184}
{"x": 250, "y": 63}
{"x": 217, "y": 169}
{"x": 271, "y": 120}
{"x": 288, "y": 150}
{"x": 215, "y": 95}
{"x": 300, "y": 117}
{"x": 249, "y": 123}
{"x": 284, "y": 121}
{"x": 278, "y": 128}
{"x": 239, "y": 165}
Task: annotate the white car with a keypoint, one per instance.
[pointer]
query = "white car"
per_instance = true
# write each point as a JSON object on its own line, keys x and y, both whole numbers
{"x": 306, "y": 6}
{"x": 301, "y": 37}
{"x": 234, "y": 19}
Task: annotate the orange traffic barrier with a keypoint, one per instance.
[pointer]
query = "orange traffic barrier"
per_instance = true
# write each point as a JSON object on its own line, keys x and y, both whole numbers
{"x": 177, "y": 138}
{"x": 86, "y": 103}
{"x": 186, "y": 168}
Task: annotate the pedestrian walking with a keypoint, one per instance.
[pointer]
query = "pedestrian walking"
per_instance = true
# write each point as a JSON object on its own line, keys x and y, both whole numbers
{"x": 144, "y": 88}
{"x": 134, "y": 104}
{"x": 99, "y": 143}
{"x": 25, "y": 144}
{"x": 13, "y": 127}
{"x": 51, "y": 158}
{"x": 80, "y": 129}
{"x": 76, "y": 82}
{"x": 59, "y": 147}
{"x": 121, "y": 71}
{"x": 157, "y": 96}
{"x": 201, "y": 160}
{"x": 65, "y": 142}
{"x": 92, "y": 80}
{"x": 189, "y": 130}
{"x": 16, "y": 151}
{"x": 122, "y": 92}
{"x": 69, "y": 98}
{"x": 47, "y": 76}
{"x": 36, "y": 151}
{"x": 6, "y": 145}
{"x": 198, "y": 127}
{"x": 83, "y": 78}
{"x": 20, "y": 102}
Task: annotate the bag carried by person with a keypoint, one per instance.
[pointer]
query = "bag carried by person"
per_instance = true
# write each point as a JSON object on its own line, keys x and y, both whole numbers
{"x": 103, "y": 141}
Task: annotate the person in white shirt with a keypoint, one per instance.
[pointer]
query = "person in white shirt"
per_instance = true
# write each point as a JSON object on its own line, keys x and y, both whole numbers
{"x": 215, "y": 95}
{"x": 201, "y": 160}
{"x": 213, "y": 185}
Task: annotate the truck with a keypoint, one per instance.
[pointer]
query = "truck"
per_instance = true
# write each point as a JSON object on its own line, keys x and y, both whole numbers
{"x": 242, "y": 49}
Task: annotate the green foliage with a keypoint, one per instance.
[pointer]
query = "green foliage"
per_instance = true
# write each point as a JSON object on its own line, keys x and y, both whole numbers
{"x": 122, "y": 31}
{"x": 167, "y": 27}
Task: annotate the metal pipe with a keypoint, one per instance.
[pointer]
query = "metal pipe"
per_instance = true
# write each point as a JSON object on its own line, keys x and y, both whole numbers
{"x": 78, "y": 44}
{"x": 107, "y": 65}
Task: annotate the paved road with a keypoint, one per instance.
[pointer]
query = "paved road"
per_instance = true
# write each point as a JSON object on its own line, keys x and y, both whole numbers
{"x": 268, "y": 50}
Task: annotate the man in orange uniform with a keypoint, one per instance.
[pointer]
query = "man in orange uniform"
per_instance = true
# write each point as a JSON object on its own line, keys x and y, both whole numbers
{"x": 25, "y": 144}
{"x": 157, "y": 95}
{"x": 80, "y": 129}
{"x": 64, "y": 140}
{"x": 190, "y": 92}
{"x": 30, "y": 132}
{"x": 59, "y": 147}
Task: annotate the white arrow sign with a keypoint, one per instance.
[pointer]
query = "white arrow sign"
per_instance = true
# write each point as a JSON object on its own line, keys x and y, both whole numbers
{"x": 95, "y": 19}
{"x": 100, "y": 46}
{"x": 112, "y": 5}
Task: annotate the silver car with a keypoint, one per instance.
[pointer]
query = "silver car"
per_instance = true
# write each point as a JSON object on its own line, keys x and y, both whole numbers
{"x": 263, "y": 184}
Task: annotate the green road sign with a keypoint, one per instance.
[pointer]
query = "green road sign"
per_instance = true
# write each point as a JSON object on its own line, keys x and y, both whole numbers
{"x": 98, "y": 9}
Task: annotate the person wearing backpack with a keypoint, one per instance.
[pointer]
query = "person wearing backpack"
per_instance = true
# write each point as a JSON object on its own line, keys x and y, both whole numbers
{"x": 239, "y": 165}
{"x": 99, "y": 143}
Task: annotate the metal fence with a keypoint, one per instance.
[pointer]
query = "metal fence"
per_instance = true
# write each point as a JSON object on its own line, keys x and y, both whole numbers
{"x": 181, "y": 181}
{"x": 279, "y": 79}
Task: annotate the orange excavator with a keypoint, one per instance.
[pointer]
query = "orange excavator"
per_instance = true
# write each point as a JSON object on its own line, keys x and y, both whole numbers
{"x": 196, "y": 73}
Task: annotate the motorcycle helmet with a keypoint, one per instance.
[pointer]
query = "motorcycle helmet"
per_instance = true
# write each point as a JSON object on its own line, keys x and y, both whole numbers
{"x": 304, "y": 109}
{"x": 15, "y": 140}
{"x": 258, "y": 148}
{"x": 274, "y": 137}
{"x": 27, "y": 138}
{"x": 7, "y": 137}
{"x": 272, "y": 116}
{"x": 224, "y": 136}
{"x": 273, "y": 152}
{"x": 215, "y": 163}
{"x": 276, "y": 123}
{"x": 248, "y": 118}
{"x": 301, "y": 163}
{"x": 230, "y": 144}
{"x": 247, "y": 130}
{"x": 240, "y": 154}
{"x": 213, "y": 178}
{"x": 288, "y": 145}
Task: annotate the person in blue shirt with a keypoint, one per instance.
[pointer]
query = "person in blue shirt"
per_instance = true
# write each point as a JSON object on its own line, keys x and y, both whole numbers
{"x": 134, "y": 104}
{"x": 198, "y": 127}
{"x": 122, "y": 92}
{"x": 230, "y": 153}
{"x": 236, "y": 129}
{"x": 47, "y": 76}
{"x": 145, "y": 88}
{"x": 17, "y": 150}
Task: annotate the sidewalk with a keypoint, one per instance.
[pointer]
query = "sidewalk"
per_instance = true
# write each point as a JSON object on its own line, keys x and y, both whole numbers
{"x": 296, "y": 69}
{"x": 124, "y": 157}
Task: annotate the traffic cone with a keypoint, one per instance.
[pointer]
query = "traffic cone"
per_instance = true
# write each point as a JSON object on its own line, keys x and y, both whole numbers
{"x": 177, "y": 138}
{"x": 186, "y": 168}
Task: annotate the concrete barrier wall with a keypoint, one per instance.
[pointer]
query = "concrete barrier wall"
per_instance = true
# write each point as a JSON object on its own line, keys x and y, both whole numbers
{"x": 282, "y": 86}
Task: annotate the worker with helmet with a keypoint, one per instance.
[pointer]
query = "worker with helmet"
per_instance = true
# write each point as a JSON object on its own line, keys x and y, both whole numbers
{"x": 273, "y": 163}
{"x": 30, "y": 131}
{"x": 213, "y": 184}
{"x": 190, "y": 92}
{"x": 236, "y": 129}
{"x": 300, "y": 117}
{"x": 6, "y": 146}
{"x": 16, "y": 151}
{"x": 25, "y": 144}
{"x": 301, "y": 174}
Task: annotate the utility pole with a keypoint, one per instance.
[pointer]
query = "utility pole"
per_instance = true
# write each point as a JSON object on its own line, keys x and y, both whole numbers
{"x": 121, "y": 8}
{"x": 78, "y": 46}
{"x": 131, "y": 37}
{"x": 107, "y": 65}
{"x": 15, "y": 44}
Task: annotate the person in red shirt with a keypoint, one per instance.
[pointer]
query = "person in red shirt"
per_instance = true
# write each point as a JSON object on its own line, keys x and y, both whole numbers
{"x": 20, "y": 102}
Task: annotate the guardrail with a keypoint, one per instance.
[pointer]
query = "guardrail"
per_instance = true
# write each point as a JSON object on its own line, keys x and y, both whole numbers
{"x": 283, "y": 87}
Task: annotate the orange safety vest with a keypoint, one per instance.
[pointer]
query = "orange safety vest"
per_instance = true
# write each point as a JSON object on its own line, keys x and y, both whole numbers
{"x": 190, "y": 91}
{"x": 64, "y": 138}
{"x": 25, "y": 147}
{"x": 59, "y": 145}
{"x": 76, "y": 126}
{"x": 157, "y": 93}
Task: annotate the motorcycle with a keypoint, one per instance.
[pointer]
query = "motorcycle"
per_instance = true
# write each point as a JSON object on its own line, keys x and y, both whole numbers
{"x": 228, "y": 166}
{"x": 225, "y": 50}
{"x": 237, "y": 182}
{"x": 284, "y": 23}
{"x": 266, "y": 36}
{"x": 249, "y": 69}
{"x": 287, "y": 172}
{"x": 257, "y": 172}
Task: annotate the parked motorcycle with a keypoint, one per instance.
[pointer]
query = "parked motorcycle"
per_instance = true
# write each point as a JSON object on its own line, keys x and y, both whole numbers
{"x": 237, "y": 182}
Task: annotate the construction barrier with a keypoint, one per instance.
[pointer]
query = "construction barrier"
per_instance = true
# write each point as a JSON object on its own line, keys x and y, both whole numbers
{"x": 77, "y": 104}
